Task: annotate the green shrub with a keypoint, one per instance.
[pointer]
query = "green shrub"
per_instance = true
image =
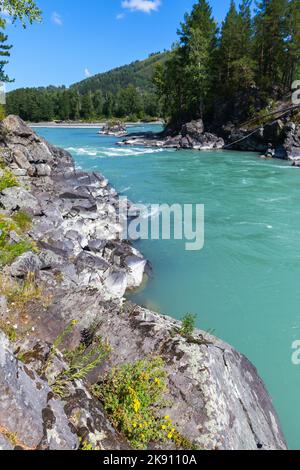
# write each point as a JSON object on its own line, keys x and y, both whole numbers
{"x": 22, "y": 219}
{"x": 11, "y": 250}
{"x": 133, "y": 395}
{"x": 8, "y": 330}
{"x": 188, "y": 324}
{"x": 80, "y": 361}
{"x": 7, "y": 180}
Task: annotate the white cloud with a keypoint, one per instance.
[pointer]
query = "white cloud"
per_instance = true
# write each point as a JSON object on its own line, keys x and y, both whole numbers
{"x": 56, "y": 18}
{"x": 146, "y": 6}
{"x": 120, "y": 16}
{"x": 87, "y": 73}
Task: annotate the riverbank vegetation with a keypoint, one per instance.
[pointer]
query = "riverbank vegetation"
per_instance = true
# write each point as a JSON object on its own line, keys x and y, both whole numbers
{"x": 125, "y": 92}
{"x": 231, "y": 71}
{"x": 218, "y": 72}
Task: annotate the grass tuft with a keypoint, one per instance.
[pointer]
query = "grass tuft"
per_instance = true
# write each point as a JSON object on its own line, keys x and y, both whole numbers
{"x": 19, "y": 223}
{"x": 7, "y": 179}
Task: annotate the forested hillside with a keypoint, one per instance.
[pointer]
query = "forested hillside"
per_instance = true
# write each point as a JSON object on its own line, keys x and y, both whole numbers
{"x": 138, "y": 73}
{"x": 125, "y": 92}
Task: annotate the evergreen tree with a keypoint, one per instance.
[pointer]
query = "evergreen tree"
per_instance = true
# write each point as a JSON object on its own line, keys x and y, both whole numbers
{"x": 108, "y": 106}
{"x": 270, "y": 41}
{"x": 98, "y": 103}
{"x": 292, "y": 62}
{"x": 187, "y": 78}
{"x": 87, "y": 108}
{"x": 4, "y": 54}
{"x": 235, "y": 64}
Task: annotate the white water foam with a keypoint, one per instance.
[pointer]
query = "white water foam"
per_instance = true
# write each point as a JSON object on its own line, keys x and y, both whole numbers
{"x": 103, "y": 152}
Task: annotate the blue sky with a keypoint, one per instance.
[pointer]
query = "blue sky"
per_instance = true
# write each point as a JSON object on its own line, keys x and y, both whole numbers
{"x": 77, "y": 38}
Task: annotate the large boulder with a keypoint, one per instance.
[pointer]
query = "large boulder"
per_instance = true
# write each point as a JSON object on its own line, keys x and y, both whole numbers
{"x": 194, "y": 129}
{"x": 117, "y": 129}
{"x": 291, "y": 144}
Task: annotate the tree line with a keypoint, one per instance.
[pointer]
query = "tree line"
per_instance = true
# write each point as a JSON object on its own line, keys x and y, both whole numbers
{"x": 211, "y": 63}
{"x": 242, "y": 64}
{"x": 52, "y": 103}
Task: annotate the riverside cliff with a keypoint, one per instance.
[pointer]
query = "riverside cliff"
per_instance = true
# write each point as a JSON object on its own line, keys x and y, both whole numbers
{"x": 64, "y": 274}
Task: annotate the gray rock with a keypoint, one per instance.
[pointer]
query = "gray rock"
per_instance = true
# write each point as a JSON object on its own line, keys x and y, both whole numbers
{"x": 3, "y": 306}
{"x": 21, "y": 160}
{"x": 57, "y": 429}
{"x": 116, "y": 283}
{"x": 135, "y": 270}
{"x": 19, "y": 198}
{"x": 43, "y": 170}
{"x": 19, "y": 172}
{"x": 23, "y": 398}
{"x": 27, "y": 263}
{"x": 194, "y": 129}
{"x": 96, "y": 245}
{"x": 50, "y": 260}
{"x": 5, "y": 444}
{"x": 291, "y": 142}
{"x": 217, "y": 399}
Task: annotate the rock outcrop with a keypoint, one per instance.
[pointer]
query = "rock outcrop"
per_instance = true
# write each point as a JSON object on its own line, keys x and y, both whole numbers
{"x": 284, "y": 135}
{"x": 116, "y": 129}
{"x": 216, "y": 398}
{"x": 191, "y": 136}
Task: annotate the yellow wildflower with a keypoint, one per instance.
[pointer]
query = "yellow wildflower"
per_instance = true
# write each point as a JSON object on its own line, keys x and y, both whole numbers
{"x": 136, "y": 405}
{"x": 157, "y": 381}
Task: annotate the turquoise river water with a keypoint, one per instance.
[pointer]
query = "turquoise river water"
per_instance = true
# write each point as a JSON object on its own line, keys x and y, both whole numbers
{"x": 244, "y": 283}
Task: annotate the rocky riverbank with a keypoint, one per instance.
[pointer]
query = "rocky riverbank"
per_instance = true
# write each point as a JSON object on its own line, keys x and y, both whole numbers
{"x": 282, "y": 133}
{"x": 191, "y": 136}
{"x": 64, "y": 273}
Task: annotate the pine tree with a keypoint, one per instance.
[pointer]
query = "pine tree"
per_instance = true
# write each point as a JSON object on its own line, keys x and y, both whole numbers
{"x": 270, "y": 42}
{"x": 187, "y": 77}
{"x": 4, "y": 53}
{"x": 98, "y": 103}
{"x": 292, "y": 62}
{"x": 230, "y": 43}
{"x": 235, "y": 64}
{"x": 87, "y": 108}
{"x": 75, "y": 104}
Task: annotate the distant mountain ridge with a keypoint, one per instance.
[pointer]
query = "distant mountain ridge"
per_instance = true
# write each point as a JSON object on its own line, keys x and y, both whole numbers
{"x": 139, "y": 74}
